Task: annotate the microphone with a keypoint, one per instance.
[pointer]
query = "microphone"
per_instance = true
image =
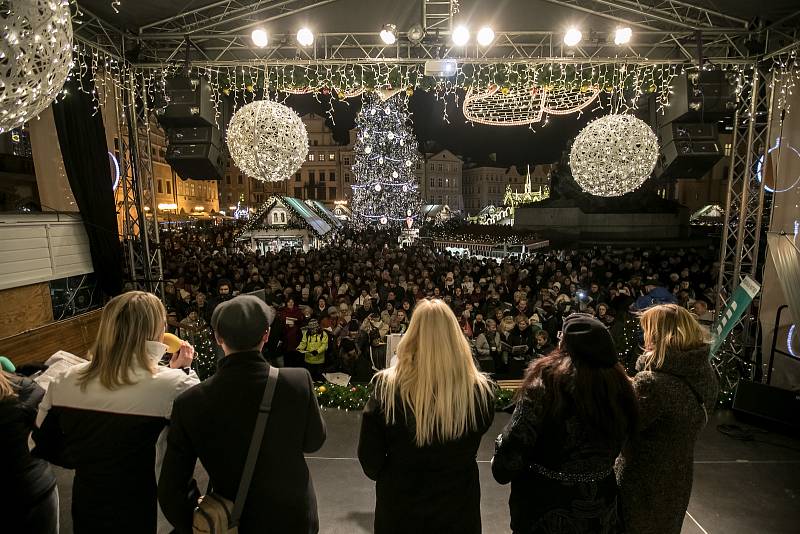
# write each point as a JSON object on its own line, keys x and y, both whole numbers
{"x": 172, "y": 342}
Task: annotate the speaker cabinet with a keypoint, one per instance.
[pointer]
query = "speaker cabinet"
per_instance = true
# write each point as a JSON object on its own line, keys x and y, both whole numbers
{"x": 778, "y": 407}
{"x": 690, "y": 150}
{"x": 188, "y": 103}
{"x": 701, "y": 96}
{"x": 198, "y": 161}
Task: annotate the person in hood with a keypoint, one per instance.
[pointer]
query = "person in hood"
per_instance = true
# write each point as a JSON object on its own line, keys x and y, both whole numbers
{"x": 677, "y": 390}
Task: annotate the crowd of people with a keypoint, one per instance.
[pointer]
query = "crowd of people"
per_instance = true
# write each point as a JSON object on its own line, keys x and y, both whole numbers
{"x": 337, "y": 305}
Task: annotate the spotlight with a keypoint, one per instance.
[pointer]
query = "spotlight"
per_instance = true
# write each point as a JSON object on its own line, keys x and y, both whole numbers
{"x": 259, "y": 37}
{"x": 485, "y": 36}
{"x": 572, "y": 37}
{"x": 389, "y": 34}
{"x": 460, "y": 36}
{"x": 305, "y": 37}
{"x": 622, "y": 36}
{"x": 416, "y": 34}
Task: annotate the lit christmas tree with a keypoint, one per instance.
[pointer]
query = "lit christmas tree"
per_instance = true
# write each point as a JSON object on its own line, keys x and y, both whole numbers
{"x": 385, "y": 192}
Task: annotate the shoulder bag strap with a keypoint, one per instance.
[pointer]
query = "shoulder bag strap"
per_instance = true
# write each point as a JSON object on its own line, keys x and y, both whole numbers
{"x": 694, "y": 391}
{"x": 255, "y": 446}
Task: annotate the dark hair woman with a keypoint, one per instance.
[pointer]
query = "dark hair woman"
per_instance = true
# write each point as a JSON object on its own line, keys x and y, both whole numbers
{"x": 573, "y": 413}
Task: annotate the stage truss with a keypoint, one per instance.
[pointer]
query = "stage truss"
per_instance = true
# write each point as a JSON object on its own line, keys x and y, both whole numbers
{"x": 671, "y": 35}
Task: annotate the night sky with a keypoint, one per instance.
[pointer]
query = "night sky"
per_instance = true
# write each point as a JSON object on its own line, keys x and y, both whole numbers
{"x": 512, "y": 145}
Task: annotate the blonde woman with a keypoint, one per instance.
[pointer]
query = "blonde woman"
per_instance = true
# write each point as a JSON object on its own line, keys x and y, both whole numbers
{"x": 677, "y": 390}
{"x": 103, "y": 418}
{"x": 421, "y": 429}
{"x": 28, "y": 491}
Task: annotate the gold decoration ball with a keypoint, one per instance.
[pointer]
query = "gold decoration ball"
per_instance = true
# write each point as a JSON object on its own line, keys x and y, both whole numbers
{"x": 652, "y": 88}
{"x": 322, "y": 389}
{"x": 409, "y": 91}
{"x": 609, "y": 88}
{"x": 226, "y": 91}
{"x": 586, "y": 87}
{"x": 504, "y": 90}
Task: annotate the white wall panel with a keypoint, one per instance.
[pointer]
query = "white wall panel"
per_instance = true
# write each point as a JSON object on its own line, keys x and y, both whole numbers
{"x": 39, "y": 248}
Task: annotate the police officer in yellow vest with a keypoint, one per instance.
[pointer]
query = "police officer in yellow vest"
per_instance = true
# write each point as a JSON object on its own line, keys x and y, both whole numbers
{"x": 313, "y": 346}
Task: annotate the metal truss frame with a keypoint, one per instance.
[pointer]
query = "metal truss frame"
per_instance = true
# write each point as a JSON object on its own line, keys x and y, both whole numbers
{"x": 745, "y": 216}
{"x": 140, "y": 237}
{"x": 219, "y": 31}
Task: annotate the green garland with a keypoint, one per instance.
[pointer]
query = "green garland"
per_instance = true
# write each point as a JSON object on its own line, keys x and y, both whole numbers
{"x": 354, "y": 397}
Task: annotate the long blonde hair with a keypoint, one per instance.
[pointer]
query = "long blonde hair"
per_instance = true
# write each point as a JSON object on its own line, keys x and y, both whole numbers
{"x": 128, "y": 322}
{"x": 435, "y": 377}
{"x": 667, "y": 328}
{"x": 6, "y": 389}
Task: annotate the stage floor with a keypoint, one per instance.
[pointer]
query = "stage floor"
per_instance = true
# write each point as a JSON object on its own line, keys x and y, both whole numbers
{"x": 739, "y": 487}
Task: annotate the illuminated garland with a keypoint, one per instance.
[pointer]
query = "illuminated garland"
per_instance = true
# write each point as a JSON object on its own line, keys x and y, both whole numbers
{"x": 354, "y": 397}
{"x": 525, "y": 105}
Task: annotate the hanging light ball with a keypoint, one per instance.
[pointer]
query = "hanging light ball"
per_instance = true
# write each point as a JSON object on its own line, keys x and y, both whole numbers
{"x": 390, "y": 135}
{"x": 378, "y": 187}
{"x": 267, "y": 140}
{"x": 395, "y": 174}
{"x": 613, "y": 155}
{"x": 36, "y": 57}
{"x": 408, "y": 163}
{"x": 368, "y": 150}
{"x": 384, "y": 220}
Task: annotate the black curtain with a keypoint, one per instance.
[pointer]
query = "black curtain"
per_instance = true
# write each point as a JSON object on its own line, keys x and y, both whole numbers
{"x": 82, "y": 137}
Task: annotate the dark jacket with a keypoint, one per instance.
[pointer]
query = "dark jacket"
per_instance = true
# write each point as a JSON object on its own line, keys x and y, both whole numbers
{"x": 214, "y": 422}
{"x": 421, "y": 489}
{"x": 109, "y": 438}
{"x": 560, "y": 471}
{"x": 655, "y": 469}
{"x": 26, "y": 480}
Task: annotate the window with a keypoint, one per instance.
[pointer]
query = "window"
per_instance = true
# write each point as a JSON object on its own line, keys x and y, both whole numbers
{"x": 332, "y": 157}
{"x": 298, "y": 192}
{"x": 311, "y": 177}
{"x": 321, "y": 176}
{"x": 169, "y": 187}
{"x": 439, "y": 182}
{"x": 275, "y": 217}
{"x": 433, "y": 182}
{"x": 332, "y": 176}
{"x": 283, "y": 217}
{"x": 728, "y": 149}
{"x": 331, "y": 193}
{"x": 346, "y": 160}
{"x": 159, "y": 187}
{"x": 315, "y": 144}
{"x": 311, "y": 156}
{"x": 347, "y": 177}
{"x": 297, "y": 177}
{"x": 228, "y": 179}
{"x": 240, "y": 180}
{"x": 439, "y": 167}
{"x": 321, "y": 193}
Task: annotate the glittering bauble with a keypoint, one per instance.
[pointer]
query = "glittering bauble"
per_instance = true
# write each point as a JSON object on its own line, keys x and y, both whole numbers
{"x": 390, "y": 135}
{"x": 409, "y": 91}
{"x": 409, "y": 222}
{"x": 380, "y": 160}
{"x": 395, "y": 174}
{"x": 408, "y": 212}
{"x": 366, "y": 135}
{"x": 35, "y": 56}
{"x": 267, "y": 140}
{"x": 323, "y": 389}
{"x": 408, "y": 163}
{"x": 378, "y": 187}
{"x": 402, "y": 143}
{"x": 373, "y": 111}
{"x": 405, "y": 189}
{"x": 367, "y": 149}
{"x": 613, "y": 155}
{"x": 384, "y": 220}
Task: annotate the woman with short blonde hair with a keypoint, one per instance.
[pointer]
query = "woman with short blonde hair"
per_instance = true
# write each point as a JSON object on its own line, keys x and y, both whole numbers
{"x": 677, "y": 390}
{"x": 421, "y": 429}
{"x": 102, "y": 418}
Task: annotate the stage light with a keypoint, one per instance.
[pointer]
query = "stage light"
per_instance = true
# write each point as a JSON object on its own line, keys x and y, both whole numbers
{"x": 389, "y": 34}
{"x": 416, "y": 34}
{"x": 305, "y": 37}
{"x": 460, "y": 35}
{"x": 485, "y": 36}
{"x": 622, "y": 36}
{"x": 572, "y": 37}
{"x": 259, "y": 37}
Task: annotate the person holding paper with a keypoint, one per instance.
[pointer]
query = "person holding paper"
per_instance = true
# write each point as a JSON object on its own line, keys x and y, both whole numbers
{"x": 313, "y": 345}
{"x": 102, "y": 418}
{"x": 422, "y": 426}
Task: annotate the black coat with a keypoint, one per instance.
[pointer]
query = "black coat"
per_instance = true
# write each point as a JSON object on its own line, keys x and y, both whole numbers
{"x": 421, "y": 489}
{"x": 26, "y": 480}
{"x": 214, "y": 422}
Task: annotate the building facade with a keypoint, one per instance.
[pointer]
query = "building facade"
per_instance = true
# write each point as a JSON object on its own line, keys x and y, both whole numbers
{"x": 485, "y": 185}
{"x": 440, "y": 179}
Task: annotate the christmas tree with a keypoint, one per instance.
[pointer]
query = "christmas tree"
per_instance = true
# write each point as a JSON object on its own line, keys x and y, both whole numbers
{"x": 385, "y": 192}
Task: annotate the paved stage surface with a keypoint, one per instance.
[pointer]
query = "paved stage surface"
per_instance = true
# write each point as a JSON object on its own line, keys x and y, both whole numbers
{"x": 739, "y": 487}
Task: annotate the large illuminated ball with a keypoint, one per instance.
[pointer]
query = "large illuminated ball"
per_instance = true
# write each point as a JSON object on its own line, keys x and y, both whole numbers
{"x": 267, "y": 140}
{"x": 35, "y": 57}
{"x": 613, "y": 155}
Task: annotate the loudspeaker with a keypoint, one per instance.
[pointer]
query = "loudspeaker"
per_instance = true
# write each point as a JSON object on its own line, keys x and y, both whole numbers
{"x": 198, "y": 161}
{"x": 200, "y": 134}
{"x": 767, "y": 403}
{"x": 689, "y": 150}
{"x": 701, "y": 96}
{"x": 188, "y": 102}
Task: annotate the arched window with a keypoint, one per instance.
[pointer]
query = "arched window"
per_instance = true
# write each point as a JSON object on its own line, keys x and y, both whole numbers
{"x": 283, "y": 217}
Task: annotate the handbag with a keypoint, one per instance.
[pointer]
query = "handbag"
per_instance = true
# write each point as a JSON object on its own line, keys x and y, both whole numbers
{"x": 214, "y": 513}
